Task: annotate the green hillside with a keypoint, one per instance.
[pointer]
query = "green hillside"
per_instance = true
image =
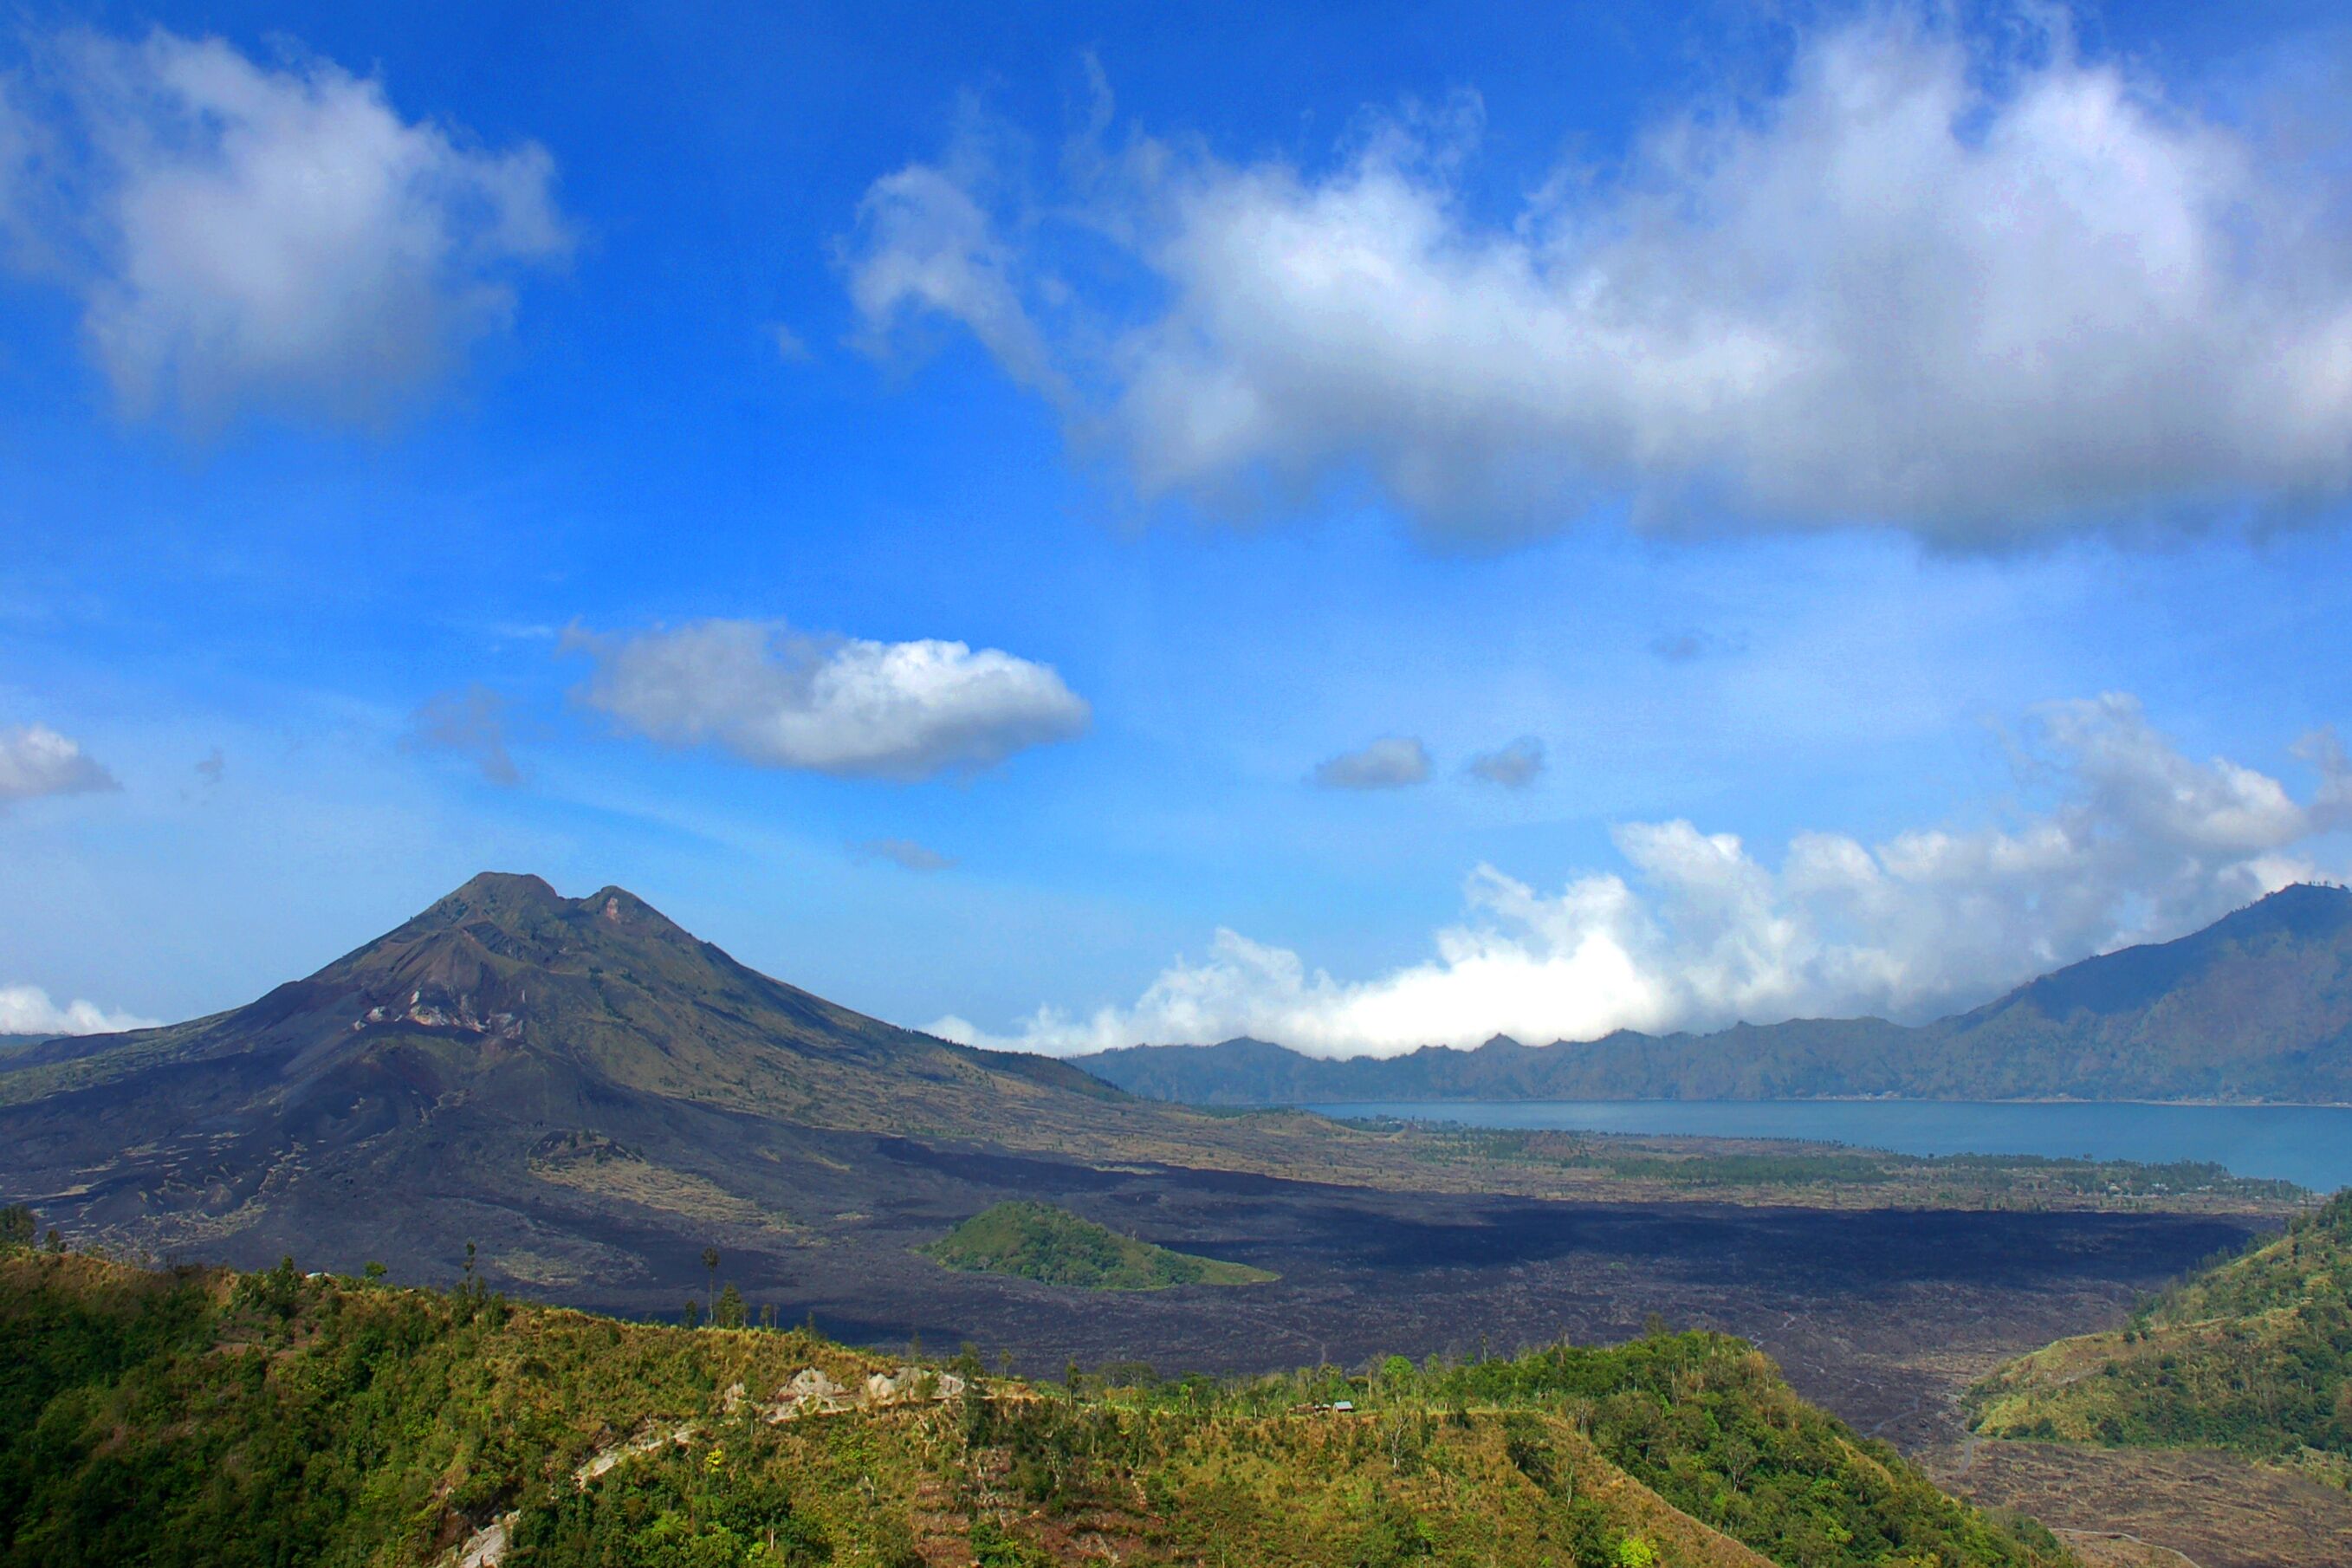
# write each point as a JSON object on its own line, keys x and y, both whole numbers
{"x": 1053, "y": 1246}
{"x": 2253, "y": 1353}
{"x": 197, "y": 1417}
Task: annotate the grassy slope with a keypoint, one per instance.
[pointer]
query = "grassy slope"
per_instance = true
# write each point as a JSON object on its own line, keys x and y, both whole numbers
{"x": 203, "y": 1417}
{"x": 2253, "y": 1353}
{"x": 1054, "y": 1246}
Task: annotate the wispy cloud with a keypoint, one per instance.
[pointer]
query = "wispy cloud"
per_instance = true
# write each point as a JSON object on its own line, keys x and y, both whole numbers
{"x": 1391, "y": 762}
{"x": 1514, "y": 766}
{"x": 904, "y": 853}
{"x": 471, "y": 723}
{"x": 1692, "y": 644}
{"x": 789, "y": 346}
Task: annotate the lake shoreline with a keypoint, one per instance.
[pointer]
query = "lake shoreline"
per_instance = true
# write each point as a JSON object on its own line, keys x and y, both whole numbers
{"x": 1323, "y": 1106}
{"x": 2310, "y": 1145}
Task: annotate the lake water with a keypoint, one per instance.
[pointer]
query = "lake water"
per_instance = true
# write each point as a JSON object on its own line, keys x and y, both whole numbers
{"x": 2310, "y": 1144}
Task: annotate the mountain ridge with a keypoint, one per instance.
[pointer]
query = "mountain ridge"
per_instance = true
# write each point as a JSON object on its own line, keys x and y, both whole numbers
{"x": 463, "y": 968}
{"x": 580, "y": 1084}
{"x": 2255, "y": 1007}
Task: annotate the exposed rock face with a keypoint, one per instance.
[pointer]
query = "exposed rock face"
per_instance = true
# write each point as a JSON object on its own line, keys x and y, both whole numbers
{"x": 441, "y": 1015}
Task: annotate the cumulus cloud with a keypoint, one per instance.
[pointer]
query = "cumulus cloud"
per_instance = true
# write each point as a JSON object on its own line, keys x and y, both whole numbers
{"x": 904, "y": 853}
{"x": 1514, "y": 766}
{"x": 35, "y": 760}
{"x": 27, "y": 1010}
{"x": 1391, "y": 762}
{"x": 243, "y": 233}
{"x": 472, "y": 724}
{"x": 2137, "y": 842}
{"x": 1979, "y": 291}
{"x": 784, "y": 699}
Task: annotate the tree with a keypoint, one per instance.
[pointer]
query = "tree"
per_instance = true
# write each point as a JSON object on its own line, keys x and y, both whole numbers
{"x": 1740, "y": 1456}
{"x": 693, "y": 1317}
{"x": 710, "y": 1262}
{"x": 728, "y": 1313}
{"x": 17, "y": 1227}
{"x": 375, "y": 1272}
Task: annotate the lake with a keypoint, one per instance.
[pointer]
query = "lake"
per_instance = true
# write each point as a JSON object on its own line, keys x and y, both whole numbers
{"x": 2310, "y": 1144}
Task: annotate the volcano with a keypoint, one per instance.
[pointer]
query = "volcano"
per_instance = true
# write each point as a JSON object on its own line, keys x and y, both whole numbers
{"x": 578, "y": 1085}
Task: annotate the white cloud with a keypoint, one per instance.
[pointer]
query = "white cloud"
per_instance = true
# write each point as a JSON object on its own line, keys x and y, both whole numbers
{"x": 1514, "y": 766}
{"x": 27, "y": 1010}
{"x": 2140, "y": 843}
{"x": 35, "y": 760}
{"x": 1975, "y": 294}
{"x": 243, "y": 234}
{"x": 928, "y": 245}
{"x": 846, "y": 706}
{"x": 1391, "y": 762}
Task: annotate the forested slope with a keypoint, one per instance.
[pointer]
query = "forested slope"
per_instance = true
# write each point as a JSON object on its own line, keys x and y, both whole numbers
{"x": 197, "y": 1417}
{"x": 2253, "y": 1353}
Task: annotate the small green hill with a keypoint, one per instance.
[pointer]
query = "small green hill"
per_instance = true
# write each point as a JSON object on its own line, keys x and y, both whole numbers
{"x": 1054, "y": 1246}
{"x": 196, "y": 1419}
{"x": 2252, "y": 1353}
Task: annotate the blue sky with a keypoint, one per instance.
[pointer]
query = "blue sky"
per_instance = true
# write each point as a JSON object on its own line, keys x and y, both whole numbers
{"x": 440, "y": 437}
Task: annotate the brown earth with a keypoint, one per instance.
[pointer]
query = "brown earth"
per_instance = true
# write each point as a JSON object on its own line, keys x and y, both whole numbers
{"x": 2217, "y": 1509}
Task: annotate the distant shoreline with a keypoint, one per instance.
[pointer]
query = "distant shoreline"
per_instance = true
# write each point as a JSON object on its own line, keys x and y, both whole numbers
{"x": 1811, "y": 1099}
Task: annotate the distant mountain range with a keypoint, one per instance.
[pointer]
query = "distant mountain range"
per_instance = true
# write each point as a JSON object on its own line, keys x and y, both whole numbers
{"x": 2257, "y": 1007}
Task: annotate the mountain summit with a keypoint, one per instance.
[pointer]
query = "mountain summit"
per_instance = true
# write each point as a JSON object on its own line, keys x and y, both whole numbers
{"x": 504, "y": 985}
{"x": 557, "y": 1074}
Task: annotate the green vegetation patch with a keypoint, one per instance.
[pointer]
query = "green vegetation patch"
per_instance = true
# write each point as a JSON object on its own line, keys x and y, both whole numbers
{"x": 204, "y": 1419}
{"x": 2253, "y": 1352}
{"x": 1054, "y": 1246}
{"x": 1773, "y": 1170}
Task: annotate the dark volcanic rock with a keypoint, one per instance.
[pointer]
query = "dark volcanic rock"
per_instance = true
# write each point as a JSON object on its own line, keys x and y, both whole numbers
{"x": 578, "y": 1085}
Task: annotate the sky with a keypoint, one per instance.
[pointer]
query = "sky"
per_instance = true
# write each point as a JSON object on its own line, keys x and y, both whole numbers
{"x": 1069, "y": 526}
